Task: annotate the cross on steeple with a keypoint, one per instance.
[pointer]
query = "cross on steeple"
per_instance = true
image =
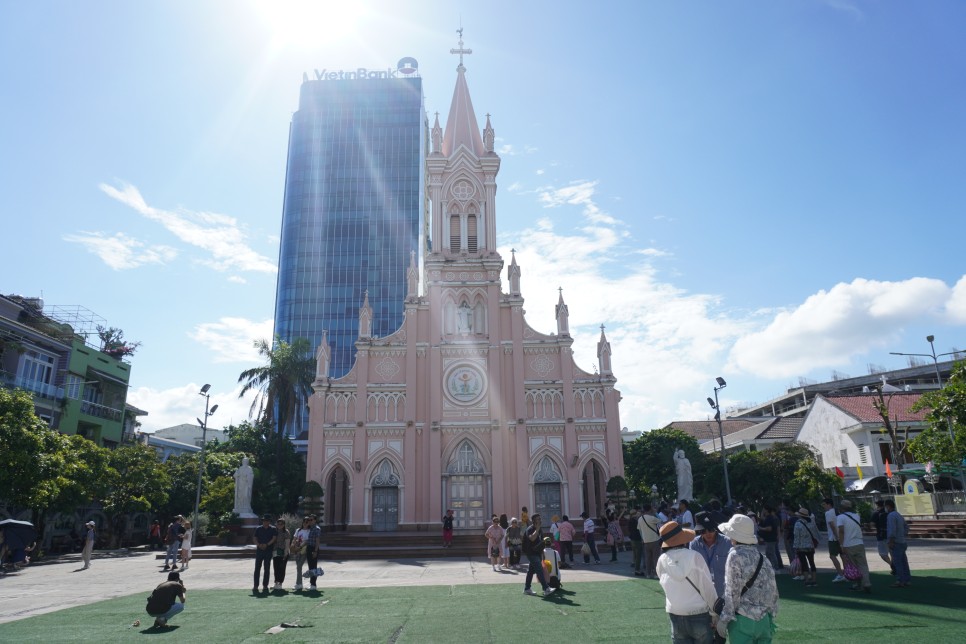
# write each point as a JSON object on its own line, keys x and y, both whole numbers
{"x": 461, "y": 51}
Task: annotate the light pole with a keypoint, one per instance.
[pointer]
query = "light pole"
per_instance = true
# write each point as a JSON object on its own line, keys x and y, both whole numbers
{"x": 717, "y": 416}
{"x": 939, "y": 381}
{"x": 201, "y": 463}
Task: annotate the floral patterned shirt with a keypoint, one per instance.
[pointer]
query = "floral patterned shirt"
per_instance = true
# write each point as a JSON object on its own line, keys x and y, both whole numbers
{"x": 761, "y": 598}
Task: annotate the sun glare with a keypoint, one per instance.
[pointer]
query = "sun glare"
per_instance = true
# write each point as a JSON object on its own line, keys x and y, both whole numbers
{"x": 308, "y": 24}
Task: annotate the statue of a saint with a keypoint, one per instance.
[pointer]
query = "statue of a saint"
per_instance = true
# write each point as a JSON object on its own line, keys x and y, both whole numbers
{"x": 244, "y": 477}
{"x": 464, "y": 319}
{"x": 685, "y": 483}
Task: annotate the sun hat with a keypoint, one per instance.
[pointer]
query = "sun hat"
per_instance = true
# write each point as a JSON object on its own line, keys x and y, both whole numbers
{"x": 804, "y": 513}
{"x": 90, "y": 523}
{"x": 703, "y": 522}
{"x": 739, "y": 529}
{"x": 672, "y": 534}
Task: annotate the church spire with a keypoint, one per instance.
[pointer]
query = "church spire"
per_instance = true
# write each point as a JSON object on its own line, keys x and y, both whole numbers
{"x": 323, "y": 356}
{"x": 437, "y": 136}
{"x": 563, "y": 316}
{"x": 603, "y": 354}
{"x": 513, "y": 273}
{"x": 461, "y": 125}
{"x": 365, "y": 318}
{"x": 412, "y": 277}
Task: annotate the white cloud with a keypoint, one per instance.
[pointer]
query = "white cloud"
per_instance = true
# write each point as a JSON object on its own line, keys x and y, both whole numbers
{"x": 539, "y": 172}
{"x": 515, "y": 186}
{"x": 653, "y": 252}
{"x": 578, "y": 193}
{"x": 121, "y": 252}
{"x": 232, "y": 339}
{"x": 832, "y": 326}
{"x": 169, "y": 407}
{"x": 236, "y": 279}
{"x": 220, "y": 235}
{"x": 956, "y": 306}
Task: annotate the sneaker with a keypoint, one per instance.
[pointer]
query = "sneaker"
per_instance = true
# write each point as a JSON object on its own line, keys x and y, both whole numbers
{"x": 255, "y": 590}
{"x": 264, "y": 589}
{"x": 548, "y": 592}
{"x": 166, "y": 567}
{"x": 162, "y": 622}
{"x": 798, "y": 578}
{"x": 298, "y": 587}
{"x": 157, "y": 622}
{"x": 528, "y": 591}
{"x": 839, "y": 579}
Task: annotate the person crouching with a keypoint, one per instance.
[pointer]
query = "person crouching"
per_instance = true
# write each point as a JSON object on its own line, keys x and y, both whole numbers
{"x": 162, "y": 605}
{"x": 688, "y": 589}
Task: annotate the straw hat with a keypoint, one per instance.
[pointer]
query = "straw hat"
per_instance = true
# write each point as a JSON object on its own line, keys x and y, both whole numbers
{"x": 804, "y": 513}
{"x": 739, "y": 529}
{"x": 672, "y": 534}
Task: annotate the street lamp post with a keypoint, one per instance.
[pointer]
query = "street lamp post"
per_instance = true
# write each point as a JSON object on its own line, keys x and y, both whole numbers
{"x": 717, "y": 416}
{"x": 201, "y": 463}
{"x": 939, "y": 382}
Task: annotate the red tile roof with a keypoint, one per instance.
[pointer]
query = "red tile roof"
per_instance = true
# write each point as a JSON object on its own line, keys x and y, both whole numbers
{"x": 860, "y": 406}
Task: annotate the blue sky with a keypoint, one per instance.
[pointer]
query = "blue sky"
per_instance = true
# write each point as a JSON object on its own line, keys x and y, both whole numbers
{"x": 760, "y": 191}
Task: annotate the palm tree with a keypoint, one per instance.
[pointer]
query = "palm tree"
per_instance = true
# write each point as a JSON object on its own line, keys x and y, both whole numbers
{"x": 283, "y": 384}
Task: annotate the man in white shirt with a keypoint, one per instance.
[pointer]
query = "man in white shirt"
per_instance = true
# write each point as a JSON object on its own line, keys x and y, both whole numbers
{"x": 834, "y": 547}
{"x": 589, "y": 537}
{"x": 685, "y": 518}
{"x": 850, "y": 536}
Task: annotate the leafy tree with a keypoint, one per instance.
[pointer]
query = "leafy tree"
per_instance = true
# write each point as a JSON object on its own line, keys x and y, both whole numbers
{"x": 138, "y": 483}
{"x": 24, "y": 466}
{"x": 649, "y": 460}
{"x": 284, "y": 384}
{"x": 785, "y": 470}
{"x": 947, "y": 405}
{"x": 274, "y": 489}
{"x": 900, "y": 445}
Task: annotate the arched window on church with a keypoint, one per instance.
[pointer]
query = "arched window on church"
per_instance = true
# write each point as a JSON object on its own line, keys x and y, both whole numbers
{"x": 479, "y": 318}
{"x": 471, "y": 238}
{"x": 449, "y": 317}
{"x": 454, "y": 233}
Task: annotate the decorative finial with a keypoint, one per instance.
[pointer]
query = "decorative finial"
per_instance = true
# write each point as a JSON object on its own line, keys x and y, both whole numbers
{"x": 460, "y": 51}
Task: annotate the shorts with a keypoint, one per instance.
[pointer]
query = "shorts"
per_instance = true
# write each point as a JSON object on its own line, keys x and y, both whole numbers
{"x": 834, "y": 549}
{"x": 883, "y": 548}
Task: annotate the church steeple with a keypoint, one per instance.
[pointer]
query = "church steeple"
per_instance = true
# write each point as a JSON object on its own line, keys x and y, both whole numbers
{"x": 563, "y": 316}
{"x": 603, "y": 354}
{"x": 412, "y": 277}
{"x": 437, "y": 136}
{"x": 513, "y": 273}
{"x": 365, "y": 318}
{"x": 461, "y": 125}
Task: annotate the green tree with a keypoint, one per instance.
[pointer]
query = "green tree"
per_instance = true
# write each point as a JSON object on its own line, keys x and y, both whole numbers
{"x": 947, "y": 405}
{"x": 138, "y": 483}
{"x": 649, "y": 460}
{"x": 25, "y": 468}
{"x": 275, "y": 489}
{"x": 283, "y": 385}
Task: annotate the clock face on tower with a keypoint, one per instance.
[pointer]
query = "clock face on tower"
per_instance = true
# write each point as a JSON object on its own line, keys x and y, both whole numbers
{"x": 464, "y": 384}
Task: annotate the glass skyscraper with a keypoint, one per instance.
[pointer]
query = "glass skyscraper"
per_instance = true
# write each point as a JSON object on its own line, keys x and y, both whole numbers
{"x": 354, "y": 206}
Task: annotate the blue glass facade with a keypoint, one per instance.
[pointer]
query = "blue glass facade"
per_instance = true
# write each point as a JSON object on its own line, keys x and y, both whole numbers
{"x": 353, "y": 209}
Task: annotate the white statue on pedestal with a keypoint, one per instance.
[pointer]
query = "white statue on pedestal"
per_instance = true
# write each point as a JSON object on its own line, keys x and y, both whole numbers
{"x": 244, "y": 478}
{"x": 685, "y": 482}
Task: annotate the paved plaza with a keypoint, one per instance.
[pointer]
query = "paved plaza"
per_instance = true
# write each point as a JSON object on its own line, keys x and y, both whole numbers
{"x": 60, "y": 584}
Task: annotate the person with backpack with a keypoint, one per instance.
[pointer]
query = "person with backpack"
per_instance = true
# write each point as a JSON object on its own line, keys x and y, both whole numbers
{"x": 751, "y": 594}
{"x": 533, "y": 551}
{"x": 173, "y": 539}
{"x": 804, "y": 541}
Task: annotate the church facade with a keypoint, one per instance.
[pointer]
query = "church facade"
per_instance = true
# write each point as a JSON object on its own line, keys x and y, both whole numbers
{"x": 466, "y": 406}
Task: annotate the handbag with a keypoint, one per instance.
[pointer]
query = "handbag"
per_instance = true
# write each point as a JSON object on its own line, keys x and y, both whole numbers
{"x": 851, "y": 571}
{"x": 610, "y": 539}
{"x": 796, "y": 567}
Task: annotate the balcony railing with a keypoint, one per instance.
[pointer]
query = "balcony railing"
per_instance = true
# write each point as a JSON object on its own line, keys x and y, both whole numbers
{"x": 101, "y": 411}
{"x": 41, "y": 389}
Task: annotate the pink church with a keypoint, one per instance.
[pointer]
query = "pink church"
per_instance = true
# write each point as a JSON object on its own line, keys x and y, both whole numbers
{"x": 466, "y": 406}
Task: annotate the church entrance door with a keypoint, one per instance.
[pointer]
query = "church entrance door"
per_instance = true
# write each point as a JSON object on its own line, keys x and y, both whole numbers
{"x": 385, "y": 509}
{"x": 547, "y": 496}
{"x": 466, "y": 500}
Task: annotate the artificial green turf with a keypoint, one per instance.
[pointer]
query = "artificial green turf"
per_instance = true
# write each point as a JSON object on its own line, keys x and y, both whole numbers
{"x": 629, "y": 610}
